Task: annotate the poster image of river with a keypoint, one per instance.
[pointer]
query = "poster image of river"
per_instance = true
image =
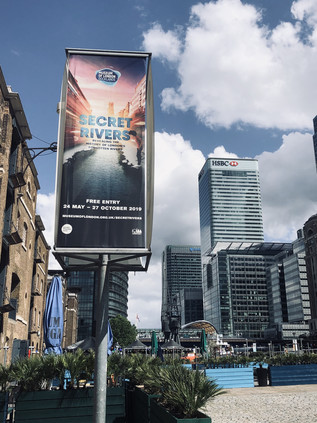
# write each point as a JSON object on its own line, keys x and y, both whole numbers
{"x": 102, "y": 191}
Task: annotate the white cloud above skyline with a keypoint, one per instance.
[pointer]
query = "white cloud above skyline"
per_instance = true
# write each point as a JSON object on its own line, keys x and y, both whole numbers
{"x": 233, "y": 69}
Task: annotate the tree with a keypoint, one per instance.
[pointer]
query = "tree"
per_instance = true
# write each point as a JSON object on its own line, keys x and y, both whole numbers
{"x": 124, "y": 333}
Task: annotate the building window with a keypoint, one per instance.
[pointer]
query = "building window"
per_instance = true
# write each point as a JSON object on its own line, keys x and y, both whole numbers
{"x": 24, "y": 235}
{"x": 14, "y": 295}
{"x": 28, "y": 190}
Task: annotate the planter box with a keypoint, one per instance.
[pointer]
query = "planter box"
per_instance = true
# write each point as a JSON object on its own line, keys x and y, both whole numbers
{"x": 3, "y": 406}
{"x": 159, "y": 414}
{"x": 297, "y": 374}
{"x": 138, "y": 407}
{"x": 70, "y": 406}
{"x": 239, "y": 377}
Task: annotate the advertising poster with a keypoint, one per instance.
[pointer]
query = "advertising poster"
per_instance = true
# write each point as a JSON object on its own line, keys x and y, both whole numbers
{"x": 102, "y": 152}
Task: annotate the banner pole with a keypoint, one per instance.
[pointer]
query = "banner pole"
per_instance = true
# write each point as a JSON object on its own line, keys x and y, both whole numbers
{"x": 100, "y": 379}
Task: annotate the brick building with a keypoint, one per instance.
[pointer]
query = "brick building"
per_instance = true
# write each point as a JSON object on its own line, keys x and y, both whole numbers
{"x": 23, "y": 248}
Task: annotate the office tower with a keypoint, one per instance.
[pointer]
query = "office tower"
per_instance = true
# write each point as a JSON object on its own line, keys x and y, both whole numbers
{"x": 191, "y": 305}
{"x": 84, "y": 282}
{"x": 289, "y": 306}
{"x": 229, "y": 202}
{"x": 234, "y": 257}
{"x": 310, "y": 235}
{"x": 235, "y": 288}
{"x": 181, "y": 269}
{"x": 315, "y": 138}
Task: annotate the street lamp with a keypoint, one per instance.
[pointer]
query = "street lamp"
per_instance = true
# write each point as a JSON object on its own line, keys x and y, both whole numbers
{"x": 5, "y": 354}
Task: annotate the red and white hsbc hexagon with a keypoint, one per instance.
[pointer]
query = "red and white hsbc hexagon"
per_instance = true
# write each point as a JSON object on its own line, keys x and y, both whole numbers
{"x": 221, "y": 162}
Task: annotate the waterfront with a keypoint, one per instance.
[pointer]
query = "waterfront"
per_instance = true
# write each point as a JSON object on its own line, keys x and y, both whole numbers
{"x": 269, "y": 404}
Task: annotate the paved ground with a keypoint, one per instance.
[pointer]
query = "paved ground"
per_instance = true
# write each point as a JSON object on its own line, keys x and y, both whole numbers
{"x": 268, "y": 404}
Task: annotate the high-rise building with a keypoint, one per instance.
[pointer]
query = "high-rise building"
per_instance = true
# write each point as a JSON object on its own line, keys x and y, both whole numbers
{"x": 181, "y": 269}
{"x": 310, "y": 235}
{"x": 191, "y": 305}
{"x": 84, "y": 282}
{"x": 315, "y": 138}
{"x": 235, "y": 288}
{"x": 234, "y": 257}
{"x": 289, "y": 307}
{"x": 229, "y": 202}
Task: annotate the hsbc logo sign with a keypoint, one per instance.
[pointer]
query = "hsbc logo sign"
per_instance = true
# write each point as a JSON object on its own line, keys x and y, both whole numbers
{"x": 233, "y": 163}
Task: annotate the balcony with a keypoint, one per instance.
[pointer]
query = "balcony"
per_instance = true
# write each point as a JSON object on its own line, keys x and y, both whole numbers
{"x": 35, "y": 292}
{"x": 17, "y": 180}
{"x": 13, "y": 238}
{"x": 38, "y": 259}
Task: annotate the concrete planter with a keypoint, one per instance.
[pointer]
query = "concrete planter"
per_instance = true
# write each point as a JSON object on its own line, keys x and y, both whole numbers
{"x": 159, "y": 414}
{"x": 297, "y": 374}
{"x": 232, "y": 377}
{"x": 138, "y": 405}
{"x": 70, "y": 406}
{"x": 3, "y": 406}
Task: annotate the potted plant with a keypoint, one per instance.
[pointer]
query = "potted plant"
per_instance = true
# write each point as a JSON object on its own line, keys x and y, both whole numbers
{"x": 35, "y": 401}
{"x": 171, "y": 393}
{"x": 293, "y": 369}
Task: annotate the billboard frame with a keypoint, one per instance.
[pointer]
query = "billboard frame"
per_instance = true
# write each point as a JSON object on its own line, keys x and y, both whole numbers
{"x": 74, "y": 258}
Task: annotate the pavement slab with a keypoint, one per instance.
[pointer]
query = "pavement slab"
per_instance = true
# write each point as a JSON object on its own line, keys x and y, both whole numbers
{"x": 268, "y": 404}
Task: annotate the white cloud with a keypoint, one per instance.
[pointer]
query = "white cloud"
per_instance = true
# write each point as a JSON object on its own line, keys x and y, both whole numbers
{"x": 45, "y": 207}
{"x": 220, "y": 151}
{"x": 164, "y": 45}
{"x": 305, "y": 10}
{"x": 288, "y": 184}
{"x": 234, "y": 70}
{"x": 176, "y": 220}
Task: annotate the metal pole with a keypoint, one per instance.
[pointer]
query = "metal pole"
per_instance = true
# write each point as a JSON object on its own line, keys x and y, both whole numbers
{"x": 100, "y": 380}
{"x": 5, "y": 354}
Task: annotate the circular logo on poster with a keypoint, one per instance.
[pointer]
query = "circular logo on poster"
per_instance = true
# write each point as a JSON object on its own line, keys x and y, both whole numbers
{"x": 67, "y": 229}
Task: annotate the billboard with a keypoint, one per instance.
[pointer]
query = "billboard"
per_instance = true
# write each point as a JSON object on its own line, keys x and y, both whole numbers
{"x": 104, "y": 192}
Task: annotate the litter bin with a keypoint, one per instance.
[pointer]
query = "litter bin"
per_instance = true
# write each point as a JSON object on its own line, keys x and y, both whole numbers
{"x": 262, "y": 374}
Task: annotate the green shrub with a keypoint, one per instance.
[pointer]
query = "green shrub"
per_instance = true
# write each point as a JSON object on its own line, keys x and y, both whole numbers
{"x": 184, "y": 391}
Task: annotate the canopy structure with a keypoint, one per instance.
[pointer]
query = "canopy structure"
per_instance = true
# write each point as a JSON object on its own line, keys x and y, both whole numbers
{"x": 131, "y": 261}
{"x": 137, "y": 345}
{"x": 85, "y": 344}
{"x": 201, "y": 324}
{"x": 171, "y": 345}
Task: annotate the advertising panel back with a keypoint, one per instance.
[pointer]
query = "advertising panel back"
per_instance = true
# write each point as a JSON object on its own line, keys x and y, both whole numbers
{"x": 104, "y": 189}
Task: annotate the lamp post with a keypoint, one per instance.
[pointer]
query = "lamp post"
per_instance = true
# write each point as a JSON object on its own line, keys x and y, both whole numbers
{"x": 5, "y": 354}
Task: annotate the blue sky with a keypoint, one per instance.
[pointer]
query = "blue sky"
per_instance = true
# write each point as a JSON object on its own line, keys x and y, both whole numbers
{"x": 231, "y": 78}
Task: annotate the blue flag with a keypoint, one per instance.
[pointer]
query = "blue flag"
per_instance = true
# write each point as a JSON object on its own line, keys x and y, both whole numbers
{"x": 110, "y": 338}
{"x": 53, "y": 321}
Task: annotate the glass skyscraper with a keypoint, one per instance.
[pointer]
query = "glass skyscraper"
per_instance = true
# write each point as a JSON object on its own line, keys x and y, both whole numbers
{"x": 181, "y": 269}
{"x": 235, "y": 288}
{"x": 230, "y": 202}
{"x": 84, "y": 282}
{"x": 234, "y": 260}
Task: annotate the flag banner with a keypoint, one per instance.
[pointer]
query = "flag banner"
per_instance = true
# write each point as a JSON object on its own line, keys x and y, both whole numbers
{"x": 110, "y": 338}
{"x": 53, "y": 321}
{"x": 102, "y": 151}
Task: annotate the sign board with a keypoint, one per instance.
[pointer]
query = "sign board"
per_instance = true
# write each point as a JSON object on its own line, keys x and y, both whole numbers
{"x": 104, "y": 187}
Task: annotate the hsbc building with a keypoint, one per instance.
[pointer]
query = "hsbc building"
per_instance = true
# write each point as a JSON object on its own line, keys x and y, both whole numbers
{"x": 229, "y": 202}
